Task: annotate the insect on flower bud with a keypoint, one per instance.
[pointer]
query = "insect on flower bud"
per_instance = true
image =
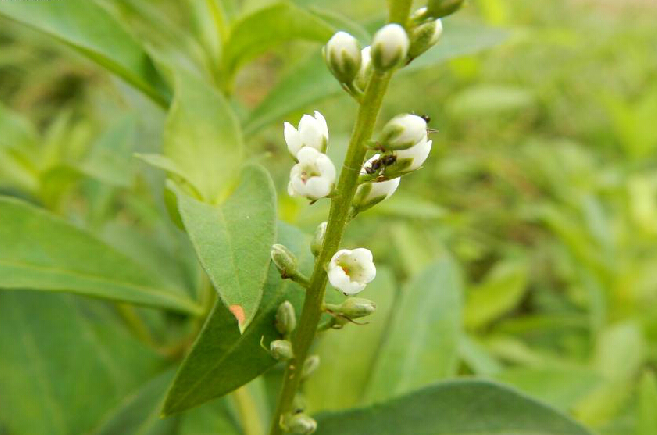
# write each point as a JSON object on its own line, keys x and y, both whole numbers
{"x": 286, "y": 319}
{"x": 284, "y": 260}
{"x": 442, "y": 8}
{"x": 309, "y": 366}
{"x": 424, "y": 37}
{"x": 402, "y": 132}
{"x": 389, "y": 47}
{"x": 342, "y": 55}
{"x": 318, "y": 239}
{"x": 281, "y": 350}
{"x": 300, "y": 424}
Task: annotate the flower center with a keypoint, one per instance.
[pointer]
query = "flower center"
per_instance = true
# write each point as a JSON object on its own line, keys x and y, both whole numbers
{"x": 309, "y": 171}
{"x": 351, "y": 267}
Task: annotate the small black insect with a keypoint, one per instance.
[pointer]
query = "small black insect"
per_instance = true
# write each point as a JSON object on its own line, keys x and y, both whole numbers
{"x": 388, "y": 159}
{"x": 373, "y": 167}
{"x": 426, "y": 118}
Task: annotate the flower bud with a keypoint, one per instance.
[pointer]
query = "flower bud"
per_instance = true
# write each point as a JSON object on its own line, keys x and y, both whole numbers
{"x": 402, "y": 132}
{"x": 389, "y": 47}
{"x": 370, "y": 194}
{"x": 424, "y": 37}
{"x": 318, "y": 239}
{"x": 365, "y": 70}
{"x": 442, "y": 8}
{"x": 281, "y": 350}
{"x": 284, "y": 260}
{"x": 309, "y": 366}
{"x": 300, "y": 424}
{"x": 342, "y": 55}
{"x": 286, "y": 319}
{"x": 356, "y": 307}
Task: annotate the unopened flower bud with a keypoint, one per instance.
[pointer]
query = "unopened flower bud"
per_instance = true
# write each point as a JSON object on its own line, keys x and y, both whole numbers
{"x": 300, "y": 424}
{"x": 309, "y": 366}
{"x": 342, "y": 55}
{"x": 402, "y": 132}
{"x": 365, "y": 71}
{"x": 442, "y": 8}
{"x": 357, "y": 307}
{"x": 389, "y": 47}
{"x": 370, "y": 194}
{"x": 312, "y": 132}
{"x": 286, "y": 319}
{"x": 318, "y": 239}
{"x": 424, "y": 37}
{"x": 284, "y": 260}
{"x": 281, "y": 350}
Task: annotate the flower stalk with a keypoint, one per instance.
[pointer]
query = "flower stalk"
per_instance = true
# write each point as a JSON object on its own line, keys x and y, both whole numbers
{"x": 370, "y": 105}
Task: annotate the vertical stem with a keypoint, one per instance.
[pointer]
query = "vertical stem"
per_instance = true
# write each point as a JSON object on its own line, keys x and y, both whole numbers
{"x": 248, "y": 412}
{"x": 337, "y": 220}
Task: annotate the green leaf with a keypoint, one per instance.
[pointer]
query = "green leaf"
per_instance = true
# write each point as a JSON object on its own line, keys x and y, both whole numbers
{"x": 139, "y": 414}
{"x": 233, "y": 241}
{"x": 267, "y": 27}
{"x": 561, "y": 387}
{"x": 39, "y": 251}
{"x": 464, "y": 407}
{"x": 500, "y": 292}
{"x": 110, "y": 159}
{"x": 222, "y": 359}
{"x": 94, "y": 33}
{"x": 647, "y": 421}
{"x": 64, "y": 362}
{"x": 311, "y": 81}
{"x": 325, "y": 388}
{"x": 203, "y": 138}
{"x": 423, "y": 340}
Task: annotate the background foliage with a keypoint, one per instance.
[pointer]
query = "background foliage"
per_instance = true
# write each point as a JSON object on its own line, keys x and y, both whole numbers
{"x": 524, "y": 253}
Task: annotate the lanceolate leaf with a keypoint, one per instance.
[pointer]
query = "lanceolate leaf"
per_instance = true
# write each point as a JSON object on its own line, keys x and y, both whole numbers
{"x": 90, "y": 30}
{"x": 202, "y": 138}
{"x": 233, "y": 241}
{"x": 222, "y": 359}
{"x": 282, "y": 21}
{"x": 64, "y": 362}
{"x": 423, "y": 343}
{"x": 139, "y": 414}
{"x": 464, "y": 407}
{"x": 311, "y": 81}
{"x": 39, "y": 251}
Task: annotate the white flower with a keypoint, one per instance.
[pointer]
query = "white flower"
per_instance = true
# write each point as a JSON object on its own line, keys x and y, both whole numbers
{"x": 437, "y": 31}
{"x": 415, "y": 155}
{"x": 313, "y": 133}
{"x": 342, "y": 54}
{"x": 389, "y": 47}
{"x": 351, "y": 270}
{"x": 365, "y": 68}
{"x": 313, "y": 177}
{"x": 403, "y": 131}
{"x": 370, "y": 194}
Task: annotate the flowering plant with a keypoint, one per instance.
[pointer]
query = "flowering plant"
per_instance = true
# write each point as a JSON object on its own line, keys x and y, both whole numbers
{"x": 239, "y": 334}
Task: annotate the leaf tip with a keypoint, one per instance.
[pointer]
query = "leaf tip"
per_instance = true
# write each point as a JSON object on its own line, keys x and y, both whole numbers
{"x": 239, "y": 314}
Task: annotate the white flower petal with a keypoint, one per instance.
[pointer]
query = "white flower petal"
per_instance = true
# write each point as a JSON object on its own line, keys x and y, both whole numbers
{"x": 292, "y": 138}
{"x": 317, "y": 187}
{"x": 321, "y": 123}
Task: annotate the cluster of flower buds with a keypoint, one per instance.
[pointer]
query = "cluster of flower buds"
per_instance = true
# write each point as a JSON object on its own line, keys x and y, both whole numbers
{"x": 352, "y": 66}
{"x": 313, "y": 176}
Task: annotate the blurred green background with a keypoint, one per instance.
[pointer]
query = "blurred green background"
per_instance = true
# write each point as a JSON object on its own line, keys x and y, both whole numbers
{"x": 542, "y": 182}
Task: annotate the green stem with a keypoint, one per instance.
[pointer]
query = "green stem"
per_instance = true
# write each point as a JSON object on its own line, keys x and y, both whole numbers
{"x": 338, "y": 216}
{"x": 248, "y": 412}
{"x": 400, "y": 10}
